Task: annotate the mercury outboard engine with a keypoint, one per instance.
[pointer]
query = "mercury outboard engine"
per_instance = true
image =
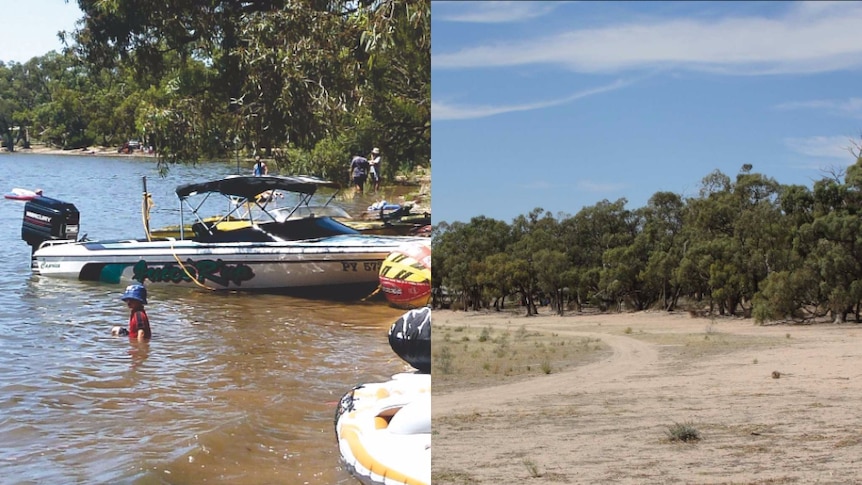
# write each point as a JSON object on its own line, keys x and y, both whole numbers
{"x": 49, "y": 219}
{"x": 410, "y": 338}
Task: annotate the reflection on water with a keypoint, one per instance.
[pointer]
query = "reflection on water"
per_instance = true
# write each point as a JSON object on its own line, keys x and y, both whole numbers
{"x": 233, "y": 387}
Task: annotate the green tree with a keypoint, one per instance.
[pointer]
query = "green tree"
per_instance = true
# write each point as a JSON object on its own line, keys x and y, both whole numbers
{"x": 458, "y": 252}
{"x": 326, "y": 78}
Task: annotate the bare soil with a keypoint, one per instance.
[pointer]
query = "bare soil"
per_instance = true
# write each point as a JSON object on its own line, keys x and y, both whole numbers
{"x": 770, "y": 404}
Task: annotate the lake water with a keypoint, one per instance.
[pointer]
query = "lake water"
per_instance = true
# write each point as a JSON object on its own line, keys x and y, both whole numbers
{"x": 233, "y": 388}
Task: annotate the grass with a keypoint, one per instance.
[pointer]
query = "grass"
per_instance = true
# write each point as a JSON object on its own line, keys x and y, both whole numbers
{"x": 443, "y": 361}
{"x": 468, "y": 357}
{"x": 532, "y": 468}
{"x": 684, "y": 432}
{"x": 696, "y": 346}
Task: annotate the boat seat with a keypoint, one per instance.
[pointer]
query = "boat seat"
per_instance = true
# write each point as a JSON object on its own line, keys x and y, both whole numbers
{"x": 231, "y": 231}
{"x": 232, "y": 225}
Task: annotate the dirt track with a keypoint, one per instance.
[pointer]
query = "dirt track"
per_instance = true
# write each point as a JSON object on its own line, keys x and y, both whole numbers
{"x": 607, "y": 422}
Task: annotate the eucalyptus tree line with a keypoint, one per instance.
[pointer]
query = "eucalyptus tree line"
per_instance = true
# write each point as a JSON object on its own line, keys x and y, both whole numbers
{"x": 744, "y": 246}
{"x": 306, "y": 82}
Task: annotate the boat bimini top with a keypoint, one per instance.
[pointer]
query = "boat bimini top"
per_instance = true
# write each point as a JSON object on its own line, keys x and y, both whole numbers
{"x": 251, "y": 196}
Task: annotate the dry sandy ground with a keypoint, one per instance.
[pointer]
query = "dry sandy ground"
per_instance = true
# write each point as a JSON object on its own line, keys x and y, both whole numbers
{"x": 608, "y": 421}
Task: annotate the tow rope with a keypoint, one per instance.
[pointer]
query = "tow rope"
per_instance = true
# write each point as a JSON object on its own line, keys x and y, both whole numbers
{"x": 186, "y": 271}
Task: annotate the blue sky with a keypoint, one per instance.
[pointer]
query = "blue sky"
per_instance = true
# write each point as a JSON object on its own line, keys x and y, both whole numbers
{"x": 562, "y": 105}
{"x": 29, "y": 27}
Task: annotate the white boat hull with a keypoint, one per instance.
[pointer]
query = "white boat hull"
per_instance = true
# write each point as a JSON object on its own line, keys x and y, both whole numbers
{"x": 332, "y": 261}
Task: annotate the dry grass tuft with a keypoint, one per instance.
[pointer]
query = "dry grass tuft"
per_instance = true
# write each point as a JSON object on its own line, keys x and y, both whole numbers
{"x": 485, "y": 356}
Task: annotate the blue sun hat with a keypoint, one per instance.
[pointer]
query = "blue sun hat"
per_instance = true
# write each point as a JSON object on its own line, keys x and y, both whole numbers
{"x": 135, "y": 292}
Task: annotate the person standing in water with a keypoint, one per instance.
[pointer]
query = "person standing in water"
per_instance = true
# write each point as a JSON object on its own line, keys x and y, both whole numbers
{"x": 374, "y": 163}
{"x": 358, "y": 172}
{"x": 259, "y": 167}
{"x": 135, "y": 297}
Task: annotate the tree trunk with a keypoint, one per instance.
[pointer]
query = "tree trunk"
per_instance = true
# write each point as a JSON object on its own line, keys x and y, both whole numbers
{"x": 838, "y": 317}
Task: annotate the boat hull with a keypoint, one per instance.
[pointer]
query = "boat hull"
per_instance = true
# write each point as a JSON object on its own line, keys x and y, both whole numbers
{"x": 334, "y": 261}
{"x": 22, "y": 194}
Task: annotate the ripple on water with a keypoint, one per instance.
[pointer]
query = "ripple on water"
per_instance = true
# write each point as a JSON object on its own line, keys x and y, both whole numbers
{"x": 237, "y": 388}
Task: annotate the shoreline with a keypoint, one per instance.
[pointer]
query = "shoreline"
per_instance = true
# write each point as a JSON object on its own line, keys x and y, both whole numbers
{"x": 100, "y": 151}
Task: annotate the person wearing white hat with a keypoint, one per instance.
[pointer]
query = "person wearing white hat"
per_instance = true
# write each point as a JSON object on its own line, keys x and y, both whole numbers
{"x": 374, "y": 163}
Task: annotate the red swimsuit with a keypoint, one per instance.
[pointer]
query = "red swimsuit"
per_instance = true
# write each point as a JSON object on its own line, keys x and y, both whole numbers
{"x": 139, "y": 321}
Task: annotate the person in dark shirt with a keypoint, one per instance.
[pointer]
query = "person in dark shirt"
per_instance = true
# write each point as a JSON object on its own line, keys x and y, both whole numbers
{"x": 135, "y": 297}
{"x": 359, "y": 171}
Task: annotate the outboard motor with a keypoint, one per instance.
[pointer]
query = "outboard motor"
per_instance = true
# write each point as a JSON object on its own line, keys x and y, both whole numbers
{"x": 410, "y": 338}
{"x": 49, "y": 219}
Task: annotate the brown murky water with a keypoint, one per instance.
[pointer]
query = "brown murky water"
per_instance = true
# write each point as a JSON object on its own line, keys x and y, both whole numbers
{"x": 233, "y": 388}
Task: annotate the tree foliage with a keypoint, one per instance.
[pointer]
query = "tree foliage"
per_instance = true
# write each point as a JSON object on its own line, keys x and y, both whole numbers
{"x": 306, "y": 82}
{"x": 744, "y": 246}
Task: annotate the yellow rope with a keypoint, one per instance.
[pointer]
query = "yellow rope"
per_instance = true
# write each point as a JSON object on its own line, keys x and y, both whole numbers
{"x": 146, "y": 205}
{"x": 376, "y": 291}
{"x": 186, "y": 271}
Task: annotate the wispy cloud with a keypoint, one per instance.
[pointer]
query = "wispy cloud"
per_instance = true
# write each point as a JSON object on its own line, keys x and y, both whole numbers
{"x": 441, "y": 110}
{"x": 832, "y": 147}
{"x": 539, "y": 185}
{"x": 491, "y": 12}
{"x": 599, "y": 187}
{"x": 806, "y": 39}
{"x": 845, "y": 107}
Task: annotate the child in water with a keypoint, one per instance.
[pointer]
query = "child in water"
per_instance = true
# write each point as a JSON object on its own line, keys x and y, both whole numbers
{"x": 135, "y": 297}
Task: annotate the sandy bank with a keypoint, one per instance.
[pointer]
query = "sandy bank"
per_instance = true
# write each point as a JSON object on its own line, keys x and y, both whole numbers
{"x": 101, "y": 151}
{"x": 772, "y": 404}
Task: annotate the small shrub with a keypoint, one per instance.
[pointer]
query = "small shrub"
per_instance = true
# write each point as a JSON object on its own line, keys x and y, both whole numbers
{"x": 546, "y": 367}
{"x": 444, "y": 361}
{"x": 628, "y": 330}
{"x": 485, "y": 335}
{"x": 685, "y": 432}
{"x": 532, "y": 468}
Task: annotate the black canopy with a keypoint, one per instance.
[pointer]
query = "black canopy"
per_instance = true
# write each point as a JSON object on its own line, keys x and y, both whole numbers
{"x": 248, "y": 186}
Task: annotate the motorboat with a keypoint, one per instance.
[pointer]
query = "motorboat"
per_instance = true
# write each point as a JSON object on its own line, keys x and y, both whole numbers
{"x": 253, "y": 246}
{"x": 23, "y": 194}
{"x": 393, "y": 219}
{"x": 384, "y": 429}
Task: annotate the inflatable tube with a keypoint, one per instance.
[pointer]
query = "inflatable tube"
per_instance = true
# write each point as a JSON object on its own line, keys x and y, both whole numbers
{"x": 384, "y": 431}
{"x": 405, "y": 276}
{"x": 410, "y": 338}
